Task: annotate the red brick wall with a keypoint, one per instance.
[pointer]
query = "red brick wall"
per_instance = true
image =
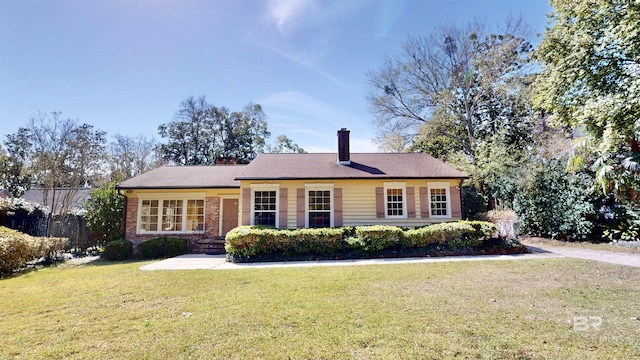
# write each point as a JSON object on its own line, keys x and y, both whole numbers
{"x": 211, "y": 230}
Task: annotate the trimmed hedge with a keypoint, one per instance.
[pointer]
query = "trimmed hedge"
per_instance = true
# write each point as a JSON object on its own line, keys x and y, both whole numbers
{"x": 17, "y": 249}
{"x": 118, "y": 250}
{"x": 160, "y": 248}
{"x": 378, "y": 237}
{"x": 246, "y": 242}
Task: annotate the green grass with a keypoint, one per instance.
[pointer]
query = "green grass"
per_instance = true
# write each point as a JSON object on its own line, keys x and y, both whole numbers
{"x": 486, "y": 310}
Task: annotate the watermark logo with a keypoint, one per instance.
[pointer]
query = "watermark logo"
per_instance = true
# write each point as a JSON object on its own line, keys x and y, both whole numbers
{"x": 586, "y": 323}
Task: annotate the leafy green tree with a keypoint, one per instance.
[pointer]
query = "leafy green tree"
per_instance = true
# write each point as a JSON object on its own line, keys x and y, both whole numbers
{"x": 285, "y": 145}
{"x": 105, "y": 213}
{"x": 590, "y": 81}
{"x": 201, "y": 132}
{"x": 554, "y": 203}
{"x": 14, "y": 171}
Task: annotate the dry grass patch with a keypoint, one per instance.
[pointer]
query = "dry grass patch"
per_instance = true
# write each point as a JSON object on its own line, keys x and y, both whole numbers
{"x": 485, "y": 310}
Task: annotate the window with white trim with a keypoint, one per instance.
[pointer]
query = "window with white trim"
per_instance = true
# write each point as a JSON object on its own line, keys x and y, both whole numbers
{"x": 265, "y": 207}
{"x": 439, "y": 200}
{"x": 171, "y": 215}
{"x": 395, "y": 202}
{"x": 319, "y": 214}
{"x": 319, "y": 200}
{"x": 264, "y": 204}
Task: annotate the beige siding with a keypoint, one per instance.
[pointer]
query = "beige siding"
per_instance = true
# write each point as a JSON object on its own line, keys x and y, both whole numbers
{"x": 359, "y": 201}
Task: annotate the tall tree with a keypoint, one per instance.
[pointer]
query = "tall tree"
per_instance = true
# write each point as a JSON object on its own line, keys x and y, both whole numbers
{"x": 15, "y": 175}
{"x": 59, "y": 153}
{"x": 131, "y": 156}
{"x": 590, "y": 81}
{"x": 285, "y": 145}
{"x": 458, "y": 90}
{"x": 201, "y": 132}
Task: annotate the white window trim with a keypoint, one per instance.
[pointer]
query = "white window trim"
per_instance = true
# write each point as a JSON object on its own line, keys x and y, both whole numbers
{"x": 317, "y": 187}
{"x": 185, "y": 197}
{"x": 265, "y": 187}
{"x": 395, "y": 185}
{"x": 439, "y": 185}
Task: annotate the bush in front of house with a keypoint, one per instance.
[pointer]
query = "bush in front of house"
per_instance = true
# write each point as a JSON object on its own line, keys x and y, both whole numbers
{"x": 249, "y": 241}
{"x": 316, "y": 241}
{"x": 377, "y": 237}
{"x": 246, "y": 242}
{"x": 436, "y": 234}
{"x": 159, "y": 248}
{"x": 17, "y": 249}
{"x": 118, "y": 250}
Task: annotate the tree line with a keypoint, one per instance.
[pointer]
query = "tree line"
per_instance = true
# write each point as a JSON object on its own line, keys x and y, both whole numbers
{"x": 551, "y": 132}
{"x": 53, "y": 152}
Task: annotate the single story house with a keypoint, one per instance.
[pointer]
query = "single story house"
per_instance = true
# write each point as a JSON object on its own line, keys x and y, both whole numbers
{"x": 292, "y": 191}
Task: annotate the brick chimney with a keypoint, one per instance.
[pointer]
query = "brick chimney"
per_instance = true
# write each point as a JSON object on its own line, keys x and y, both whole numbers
{"x": 226, "y": 161}
{"x": 343, "y": 147}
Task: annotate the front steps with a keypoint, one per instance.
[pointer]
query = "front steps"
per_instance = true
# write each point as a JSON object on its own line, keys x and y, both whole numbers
{"x": 209, "y": 247}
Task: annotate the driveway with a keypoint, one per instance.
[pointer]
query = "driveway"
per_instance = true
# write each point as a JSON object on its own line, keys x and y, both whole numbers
{"x": 613, "y": 257}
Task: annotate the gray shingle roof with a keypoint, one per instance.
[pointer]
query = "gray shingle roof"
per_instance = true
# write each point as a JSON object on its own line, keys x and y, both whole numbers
{"x": 181, "y": 177}
{"x": 363, "y": 166}
{"x": 296, "y": 166}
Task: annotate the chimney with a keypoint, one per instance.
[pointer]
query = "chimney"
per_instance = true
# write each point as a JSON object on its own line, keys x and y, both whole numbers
{"x": 226, "y": 161}
{"x": 343, "y": 147}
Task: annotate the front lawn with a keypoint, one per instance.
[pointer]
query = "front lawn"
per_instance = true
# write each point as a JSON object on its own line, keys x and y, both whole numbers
{"x": 527, "y": 309}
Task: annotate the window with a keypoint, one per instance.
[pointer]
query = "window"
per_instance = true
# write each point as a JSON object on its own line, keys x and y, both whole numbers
{"x": 195, "y": 215}
{"x": 319, "y": 208}
{"x": 171, "y": 215}
{"x": 265, "y": 207}
{"x": 439, "y": 200}
{"x": 149, "y": 215}
{"x": 395, "y": 200}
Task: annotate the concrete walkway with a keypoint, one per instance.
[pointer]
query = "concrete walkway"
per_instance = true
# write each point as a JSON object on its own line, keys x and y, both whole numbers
{"x": 218, "y": 262}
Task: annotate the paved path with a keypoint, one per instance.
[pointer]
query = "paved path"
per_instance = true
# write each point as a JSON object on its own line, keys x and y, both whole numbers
{"x": 217, "y": 262}
{"x": 614, "y": 257}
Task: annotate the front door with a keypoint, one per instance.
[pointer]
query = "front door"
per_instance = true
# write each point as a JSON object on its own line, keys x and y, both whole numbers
{"x": 229, "y": 215}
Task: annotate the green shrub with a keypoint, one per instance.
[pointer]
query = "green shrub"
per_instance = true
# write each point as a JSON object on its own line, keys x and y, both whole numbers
{"x": 16, "y": 249}
{"x": 436, "y": 234}
{"x": 175, "y": 247}
{"x": 249, "y": 241}
{"x": 118, "y": 250}
{"x": 482, "y": 230}
{"x": 552, "y": 202}
{"x": 378, "y": 237}
{"x": 160, "y": 248}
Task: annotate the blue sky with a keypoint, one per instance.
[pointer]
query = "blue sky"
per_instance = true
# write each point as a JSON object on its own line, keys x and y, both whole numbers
{"x": 125, "y": 66}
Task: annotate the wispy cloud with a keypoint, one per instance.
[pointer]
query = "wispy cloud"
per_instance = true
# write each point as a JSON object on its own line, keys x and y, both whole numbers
{"x": 302, "y": 104}
{"x": 308, "y": 64}
{"x": 287, "y": 13}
